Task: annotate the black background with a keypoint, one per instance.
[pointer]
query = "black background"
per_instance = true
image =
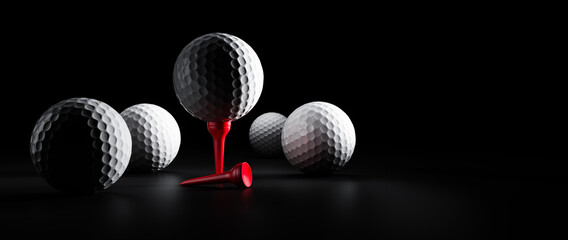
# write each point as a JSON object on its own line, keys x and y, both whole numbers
{"x": 437, "y": 90}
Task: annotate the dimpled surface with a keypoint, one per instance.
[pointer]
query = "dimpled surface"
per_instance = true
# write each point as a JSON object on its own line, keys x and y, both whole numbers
{"x": 80, "y": 145}
{"x": 318, "y": 137}
{"x": 265, "y": 134}
{"x": 218, "y": 77}
{"x": 155, "y": 137}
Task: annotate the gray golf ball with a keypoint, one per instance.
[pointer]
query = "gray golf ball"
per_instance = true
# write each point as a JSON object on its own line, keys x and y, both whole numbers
{"x": 218, "y": 77}
{"x": 318, "y": 137}
{"x": 80, "y": 145}
{"x": 156, "y": 137}
{"x": 265, "y": 134}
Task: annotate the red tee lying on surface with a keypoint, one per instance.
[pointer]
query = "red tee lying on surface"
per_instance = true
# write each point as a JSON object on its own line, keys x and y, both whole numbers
{"x": 240, "y": 175}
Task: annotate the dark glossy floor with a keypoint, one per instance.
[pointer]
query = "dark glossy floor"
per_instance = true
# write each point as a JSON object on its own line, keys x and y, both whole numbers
{"x": 379, "y": 198}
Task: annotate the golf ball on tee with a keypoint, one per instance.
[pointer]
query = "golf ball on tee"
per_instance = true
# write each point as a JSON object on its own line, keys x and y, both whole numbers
{"x": 156, "y": 137}
{"x": 218, "y": 77}
{"x": 80, "y": 145}
{"x": 318, "y": 137}
{"x": 265, "y": 134}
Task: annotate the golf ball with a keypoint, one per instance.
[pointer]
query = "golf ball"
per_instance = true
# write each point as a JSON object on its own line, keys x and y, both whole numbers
{"x": 265, "y": 134}
{"x": 80, "y": 145}
{"x": 156, "y": 137}
{"x": 318, "y": 137}
{"x": 218, "y": 77}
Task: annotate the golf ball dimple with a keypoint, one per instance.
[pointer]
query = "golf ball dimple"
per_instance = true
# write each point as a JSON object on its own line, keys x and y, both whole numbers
{"x": 156, "y": 137}
{"x": 265, "y": 134}
{"x": 318, "y": 137}
{"x": 218, "y": 77}
{"x": 80, "y": 145}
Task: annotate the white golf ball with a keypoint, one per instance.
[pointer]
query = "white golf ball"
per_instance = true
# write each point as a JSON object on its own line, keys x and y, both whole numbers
{"x": 265, "y": 134}
{"x": 318, "y": 137}
{"x": 156, "y": 137}
{"x": 80, "y": 145}
{"x": 218, "y": 77}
